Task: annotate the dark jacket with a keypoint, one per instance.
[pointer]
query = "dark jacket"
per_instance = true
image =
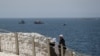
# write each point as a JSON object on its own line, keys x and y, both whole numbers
{"x": 62, "y": 41}
{"x": 52, "y": 50}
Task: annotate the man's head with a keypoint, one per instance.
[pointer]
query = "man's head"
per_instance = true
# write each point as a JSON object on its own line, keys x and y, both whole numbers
{"x": 53, "y": 40}
{"x": 61, "y": 35}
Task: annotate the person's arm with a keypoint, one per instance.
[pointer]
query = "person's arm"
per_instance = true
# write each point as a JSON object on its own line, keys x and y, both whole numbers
{"x": 64, "y": 44}
{"x": 59, "y": 43}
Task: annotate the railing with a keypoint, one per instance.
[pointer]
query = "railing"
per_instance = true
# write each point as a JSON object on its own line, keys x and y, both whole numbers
{"x": 24, "y": 45}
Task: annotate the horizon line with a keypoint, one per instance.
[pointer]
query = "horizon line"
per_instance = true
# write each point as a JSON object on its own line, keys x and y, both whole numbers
{"x": 51, "y": 17}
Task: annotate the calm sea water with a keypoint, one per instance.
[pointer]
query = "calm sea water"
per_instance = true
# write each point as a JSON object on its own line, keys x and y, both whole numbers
{"x": 82, "y": 35}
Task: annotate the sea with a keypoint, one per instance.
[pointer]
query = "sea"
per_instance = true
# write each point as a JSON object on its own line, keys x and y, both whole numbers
{"x": 80, "y": 34}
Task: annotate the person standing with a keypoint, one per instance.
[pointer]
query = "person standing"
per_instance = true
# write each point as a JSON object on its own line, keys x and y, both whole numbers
{"x": 61, "y": 42}
{"x": 52, "y": 49}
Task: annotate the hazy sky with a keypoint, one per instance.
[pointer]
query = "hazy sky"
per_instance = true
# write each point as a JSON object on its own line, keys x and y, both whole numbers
{"x": 49, "y": 8}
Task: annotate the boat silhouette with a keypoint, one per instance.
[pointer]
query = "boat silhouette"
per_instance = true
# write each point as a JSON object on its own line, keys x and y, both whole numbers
{"x": 38, "y": 22}
{"x": 64, "y": 24}
{"x": 22, "y": 22}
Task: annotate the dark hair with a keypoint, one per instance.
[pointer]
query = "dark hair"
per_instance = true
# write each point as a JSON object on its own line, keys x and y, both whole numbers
{"x": 52, "y": 44}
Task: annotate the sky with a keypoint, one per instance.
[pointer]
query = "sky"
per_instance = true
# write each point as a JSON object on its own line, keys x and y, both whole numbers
{"x": 49, "y": 8}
